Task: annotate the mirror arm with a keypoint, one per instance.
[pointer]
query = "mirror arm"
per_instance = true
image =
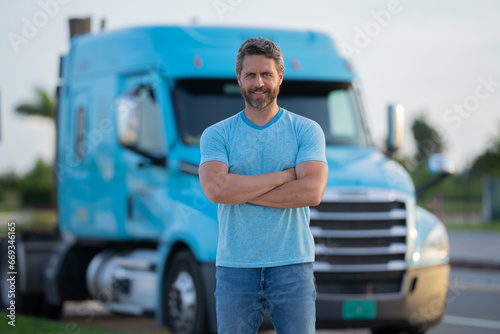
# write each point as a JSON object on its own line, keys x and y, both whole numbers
{"x": 156, "y": 160}
{"x": 160, "y": 161}
{"x": 420, "y": 189}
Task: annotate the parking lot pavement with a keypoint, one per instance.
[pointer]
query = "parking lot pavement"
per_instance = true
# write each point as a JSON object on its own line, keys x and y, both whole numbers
{"x": 474, "y": 249}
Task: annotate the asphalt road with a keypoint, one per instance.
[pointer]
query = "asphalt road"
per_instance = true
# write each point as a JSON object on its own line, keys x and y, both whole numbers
{"x": 473, "y": 303}
{"x": 472, "y": 312}
{"x": 473, "y": 306}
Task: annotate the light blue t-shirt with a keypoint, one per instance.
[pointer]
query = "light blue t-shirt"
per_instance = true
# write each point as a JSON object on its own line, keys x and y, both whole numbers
{"x": 254, "y": 236}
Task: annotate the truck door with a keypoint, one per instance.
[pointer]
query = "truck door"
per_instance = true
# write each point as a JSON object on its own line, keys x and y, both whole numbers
{"x": 77, "y": 156}
{"x": 141, "y": 132}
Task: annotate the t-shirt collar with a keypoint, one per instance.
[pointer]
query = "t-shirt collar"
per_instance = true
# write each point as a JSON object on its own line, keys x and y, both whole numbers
{"x": 255, "y": 126}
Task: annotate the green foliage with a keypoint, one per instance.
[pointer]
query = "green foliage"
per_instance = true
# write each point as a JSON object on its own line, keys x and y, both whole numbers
{"x": 493, "y": 226}
{"x": 34, "y": 188}
{"x": 43, "y": 106}
{"x": 427, "y": 139}
{"x": 37, "y": 187}
{"x": 8, "y": 181}
{"x": 458, "y": 193}
{"x": 39, "y": 176}
{"x": 488, "y": 163}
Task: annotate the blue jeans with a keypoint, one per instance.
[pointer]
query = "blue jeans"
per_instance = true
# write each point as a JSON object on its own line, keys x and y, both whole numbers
{"x": 287, "y": 293}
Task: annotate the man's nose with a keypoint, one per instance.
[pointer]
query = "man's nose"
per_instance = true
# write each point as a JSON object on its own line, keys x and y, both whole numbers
{"x": 258, "y": 81}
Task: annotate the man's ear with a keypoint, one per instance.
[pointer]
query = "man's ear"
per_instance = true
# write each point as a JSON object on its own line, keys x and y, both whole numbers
{"x": 238, "y": 76}
{"x": 281, "y": 76}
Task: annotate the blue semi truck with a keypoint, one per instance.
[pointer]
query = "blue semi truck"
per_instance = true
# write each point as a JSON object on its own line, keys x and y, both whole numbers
{"x": 135, "y": 230}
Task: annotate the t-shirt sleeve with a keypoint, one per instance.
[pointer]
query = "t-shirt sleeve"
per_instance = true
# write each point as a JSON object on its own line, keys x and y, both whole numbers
{"x": 213, "y": 146}
{"x": 311, "y": 143}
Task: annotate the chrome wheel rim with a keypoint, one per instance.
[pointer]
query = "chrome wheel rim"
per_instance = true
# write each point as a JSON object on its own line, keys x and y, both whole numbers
{"x": 182, "y": 302}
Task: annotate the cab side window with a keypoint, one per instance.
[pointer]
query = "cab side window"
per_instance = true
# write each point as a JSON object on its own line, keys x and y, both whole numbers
{"x": 139, "y": 122}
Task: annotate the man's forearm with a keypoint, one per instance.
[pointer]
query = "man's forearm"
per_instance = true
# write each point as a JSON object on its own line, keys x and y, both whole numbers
{"x": 293, "y": 194}
{"x": 223, "y": 187}
{"x": 306, "y": 190}
{"x": 237, "y": 189}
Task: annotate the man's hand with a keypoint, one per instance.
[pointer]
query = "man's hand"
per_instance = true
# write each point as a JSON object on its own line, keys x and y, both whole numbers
{"x": 220, "y": 186}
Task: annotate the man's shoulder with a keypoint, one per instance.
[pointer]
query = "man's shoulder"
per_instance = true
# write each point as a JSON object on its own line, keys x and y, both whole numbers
{"x": 227, "y": 122}
{"x": 222, "y": 126}
{"x": 299, "y": 120}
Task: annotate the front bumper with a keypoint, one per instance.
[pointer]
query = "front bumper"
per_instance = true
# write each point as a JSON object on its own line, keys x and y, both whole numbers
{"x": 421, "y": 303}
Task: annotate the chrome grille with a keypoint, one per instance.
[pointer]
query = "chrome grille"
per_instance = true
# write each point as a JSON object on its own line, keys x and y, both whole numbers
{"x": 360, "y": 247}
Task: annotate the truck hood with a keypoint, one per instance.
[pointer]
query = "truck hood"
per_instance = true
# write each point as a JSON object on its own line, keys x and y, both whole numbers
{"x": 349, "y": 167}
{"x": 365, "y": 167}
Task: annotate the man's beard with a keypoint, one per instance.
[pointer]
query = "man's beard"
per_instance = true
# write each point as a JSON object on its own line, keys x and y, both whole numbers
{"x": 260, "y": 102}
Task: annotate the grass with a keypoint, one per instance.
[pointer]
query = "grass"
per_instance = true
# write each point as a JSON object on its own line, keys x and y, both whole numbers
{"x": 493, "y": 226}
{"x": 452, "y": 206}
{"x": 29, "y": 219}
{"x": 33, "y": 325}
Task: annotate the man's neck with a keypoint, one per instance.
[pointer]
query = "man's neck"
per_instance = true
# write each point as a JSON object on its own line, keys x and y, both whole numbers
{"x": 261, "y": 117}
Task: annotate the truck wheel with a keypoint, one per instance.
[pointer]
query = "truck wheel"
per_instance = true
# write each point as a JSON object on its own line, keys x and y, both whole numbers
{"x": 11, "y": 290}
{"x": 26, "y": 303}
{"x": 183, "y": 302}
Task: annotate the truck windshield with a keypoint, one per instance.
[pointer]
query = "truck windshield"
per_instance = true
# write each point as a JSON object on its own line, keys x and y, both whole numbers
{"x": 200, "y": 103}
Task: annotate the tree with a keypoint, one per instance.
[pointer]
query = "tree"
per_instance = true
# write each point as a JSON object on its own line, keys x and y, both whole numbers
{"x": 488, "y": 162}
{"x": 43, "y": 106}
{"x": 427, "y": 139}
{"x": 36, "y": 186}
{"x": 9, "y": 181}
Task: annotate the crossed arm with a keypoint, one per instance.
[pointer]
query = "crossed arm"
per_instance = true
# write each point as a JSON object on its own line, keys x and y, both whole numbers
{"x": 296, "y": 187}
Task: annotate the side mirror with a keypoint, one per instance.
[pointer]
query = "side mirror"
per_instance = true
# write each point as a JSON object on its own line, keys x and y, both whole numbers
{"x": 396, "y": 124}
{"x": 139, "y": 127}
{"x": 127, "y": 117}
{"x": 439, "y": 164}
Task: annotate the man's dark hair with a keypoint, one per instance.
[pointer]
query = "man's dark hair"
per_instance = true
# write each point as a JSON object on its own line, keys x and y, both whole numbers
{"x": 260, "y": 46}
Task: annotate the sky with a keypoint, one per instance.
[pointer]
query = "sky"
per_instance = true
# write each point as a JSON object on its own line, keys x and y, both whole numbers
{"x": 441, "y": 58}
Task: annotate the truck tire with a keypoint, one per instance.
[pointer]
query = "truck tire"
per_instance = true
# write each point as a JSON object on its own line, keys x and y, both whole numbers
{"x": 29, "y": 303}
{"x": 15, "y": 293}
{"x": 183, "y": 296}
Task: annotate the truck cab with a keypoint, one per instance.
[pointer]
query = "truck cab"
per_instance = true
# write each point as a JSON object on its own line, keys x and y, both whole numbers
{"x": 137, "y": 231}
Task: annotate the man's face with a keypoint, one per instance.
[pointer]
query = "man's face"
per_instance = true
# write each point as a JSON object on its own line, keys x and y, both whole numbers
{"x": 259, "y": 80}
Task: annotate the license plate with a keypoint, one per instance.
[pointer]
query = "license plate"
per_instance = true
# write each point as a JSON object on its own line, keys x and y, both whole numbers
{"x": 359, "y": 309}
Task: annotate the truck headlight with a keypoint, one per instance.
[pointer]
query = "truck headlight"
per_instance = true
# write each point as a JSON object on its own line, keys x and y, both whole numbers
{"x": 436, "y": 245}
